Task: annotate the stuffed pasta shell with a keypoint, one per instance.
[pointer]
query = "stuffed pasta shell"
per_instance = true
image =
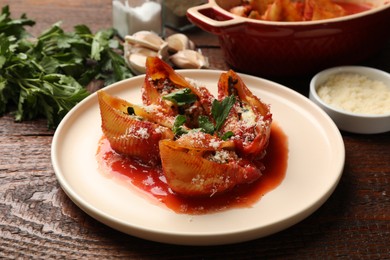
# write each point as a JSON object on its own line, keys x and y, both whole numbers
{"x": 199, "y": 164}
{"x": 131, "y": 129}
{"x": 249, "y": 119}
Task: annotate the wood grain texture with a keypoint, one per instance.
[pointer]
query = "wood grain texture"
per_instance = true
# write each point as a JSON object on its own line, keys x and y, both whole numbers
{"x": 97, "y": 14}
{"x": 39, "y": 221}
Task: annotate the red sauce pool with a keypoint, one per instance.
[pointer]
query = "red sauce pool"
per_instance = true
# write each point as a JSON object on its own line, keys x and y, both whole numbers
{"x": 152, "y": 181}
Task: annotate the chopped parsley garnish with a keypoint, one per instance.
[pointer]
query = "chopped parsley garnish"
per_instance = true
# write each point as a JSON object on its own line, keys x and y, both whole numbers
{"x": 181, "y": 97}
{"x": 227, "y": 135}
{"x": 178, "y": 129}
{"x": 205, "y": 125}
{"x": 219, "y": 110}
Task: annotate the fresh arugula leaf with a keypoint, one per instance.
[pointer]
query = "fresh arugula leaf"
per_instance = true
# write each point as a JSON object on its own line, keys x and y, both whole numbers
{"x": 181, "y": 97}
{"x": 220, "y": 110}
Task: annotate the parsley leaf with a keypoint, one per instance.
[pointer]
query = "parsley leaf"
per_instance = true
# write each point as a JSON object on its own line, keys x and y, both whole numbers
{"x": 181, "y": 97}
{"x": 220, "y": 110}
{"x": 227, "y": 135}
{"x": 205, "y": 125}
{"x": 178, "y": 125}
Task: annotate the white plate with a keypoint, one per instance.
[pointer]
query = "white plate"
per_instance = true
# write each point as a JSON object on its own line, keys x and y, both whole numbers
{"x": 315, "y": 165}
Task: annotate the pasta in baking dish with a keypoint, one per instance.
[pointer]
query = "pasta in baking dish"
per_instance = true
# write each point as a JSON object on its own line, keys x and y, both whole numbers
{"x": 205, "y": 145}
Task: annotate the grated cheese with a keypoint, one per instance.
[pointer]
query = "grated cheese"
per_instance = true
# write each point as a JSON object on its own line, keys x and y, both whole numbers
{"x": 140, "y": 133}
{"x": 221, "y": 156}
{"x": 248, "y": 116}
{"x": 214, "y": 143}
{"x": 356, "y": 93}
{"x": 143, "y": 133}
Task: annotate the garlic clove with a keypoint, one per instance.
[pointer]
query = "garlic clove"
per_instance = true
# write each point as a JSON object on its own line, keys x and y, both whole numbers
{"x": 136, "y": 63}
{"x": 130, "y": 49}
{"x": 178, "y": 42}
{"x": 136, "y": 59}
{"x": 189, "y": 59}
{"x": 146, "y": 39}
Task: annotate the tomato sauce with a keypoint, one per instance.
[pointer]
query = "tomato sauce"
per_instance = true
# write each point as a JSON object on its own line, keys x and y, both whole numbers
{"x": 151, "y": 180}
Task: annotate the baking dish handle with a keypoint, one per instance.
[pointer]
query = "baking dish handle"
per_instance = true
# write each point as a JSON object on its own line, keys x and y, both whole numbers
{"x": 208, "y": 18}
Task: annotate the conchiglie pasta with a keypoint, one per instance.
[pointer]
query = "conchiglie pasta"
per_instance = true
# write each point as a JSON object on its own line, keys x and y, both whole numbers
{"x": 128, "y": 134}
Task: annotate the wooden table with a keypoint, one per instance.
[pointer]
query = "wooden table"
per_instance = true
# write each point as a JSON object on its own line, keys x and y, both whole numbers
{"x": 38, "y": 220}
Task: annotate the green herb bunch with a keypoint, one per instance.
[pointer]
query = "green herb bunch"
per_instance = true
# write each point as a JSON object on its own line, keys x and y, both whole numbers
{"x": 48, "y": 75}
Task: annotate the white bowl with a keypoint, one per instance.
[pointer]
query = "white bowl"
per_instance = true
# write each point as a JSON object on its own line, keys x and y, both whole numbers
{"x": 361, "y": 123}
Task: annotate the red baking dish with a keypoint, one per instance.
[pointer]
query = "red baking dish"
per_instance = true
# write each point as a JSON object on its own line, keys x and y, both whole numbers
{"x": 267, "y": 48}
